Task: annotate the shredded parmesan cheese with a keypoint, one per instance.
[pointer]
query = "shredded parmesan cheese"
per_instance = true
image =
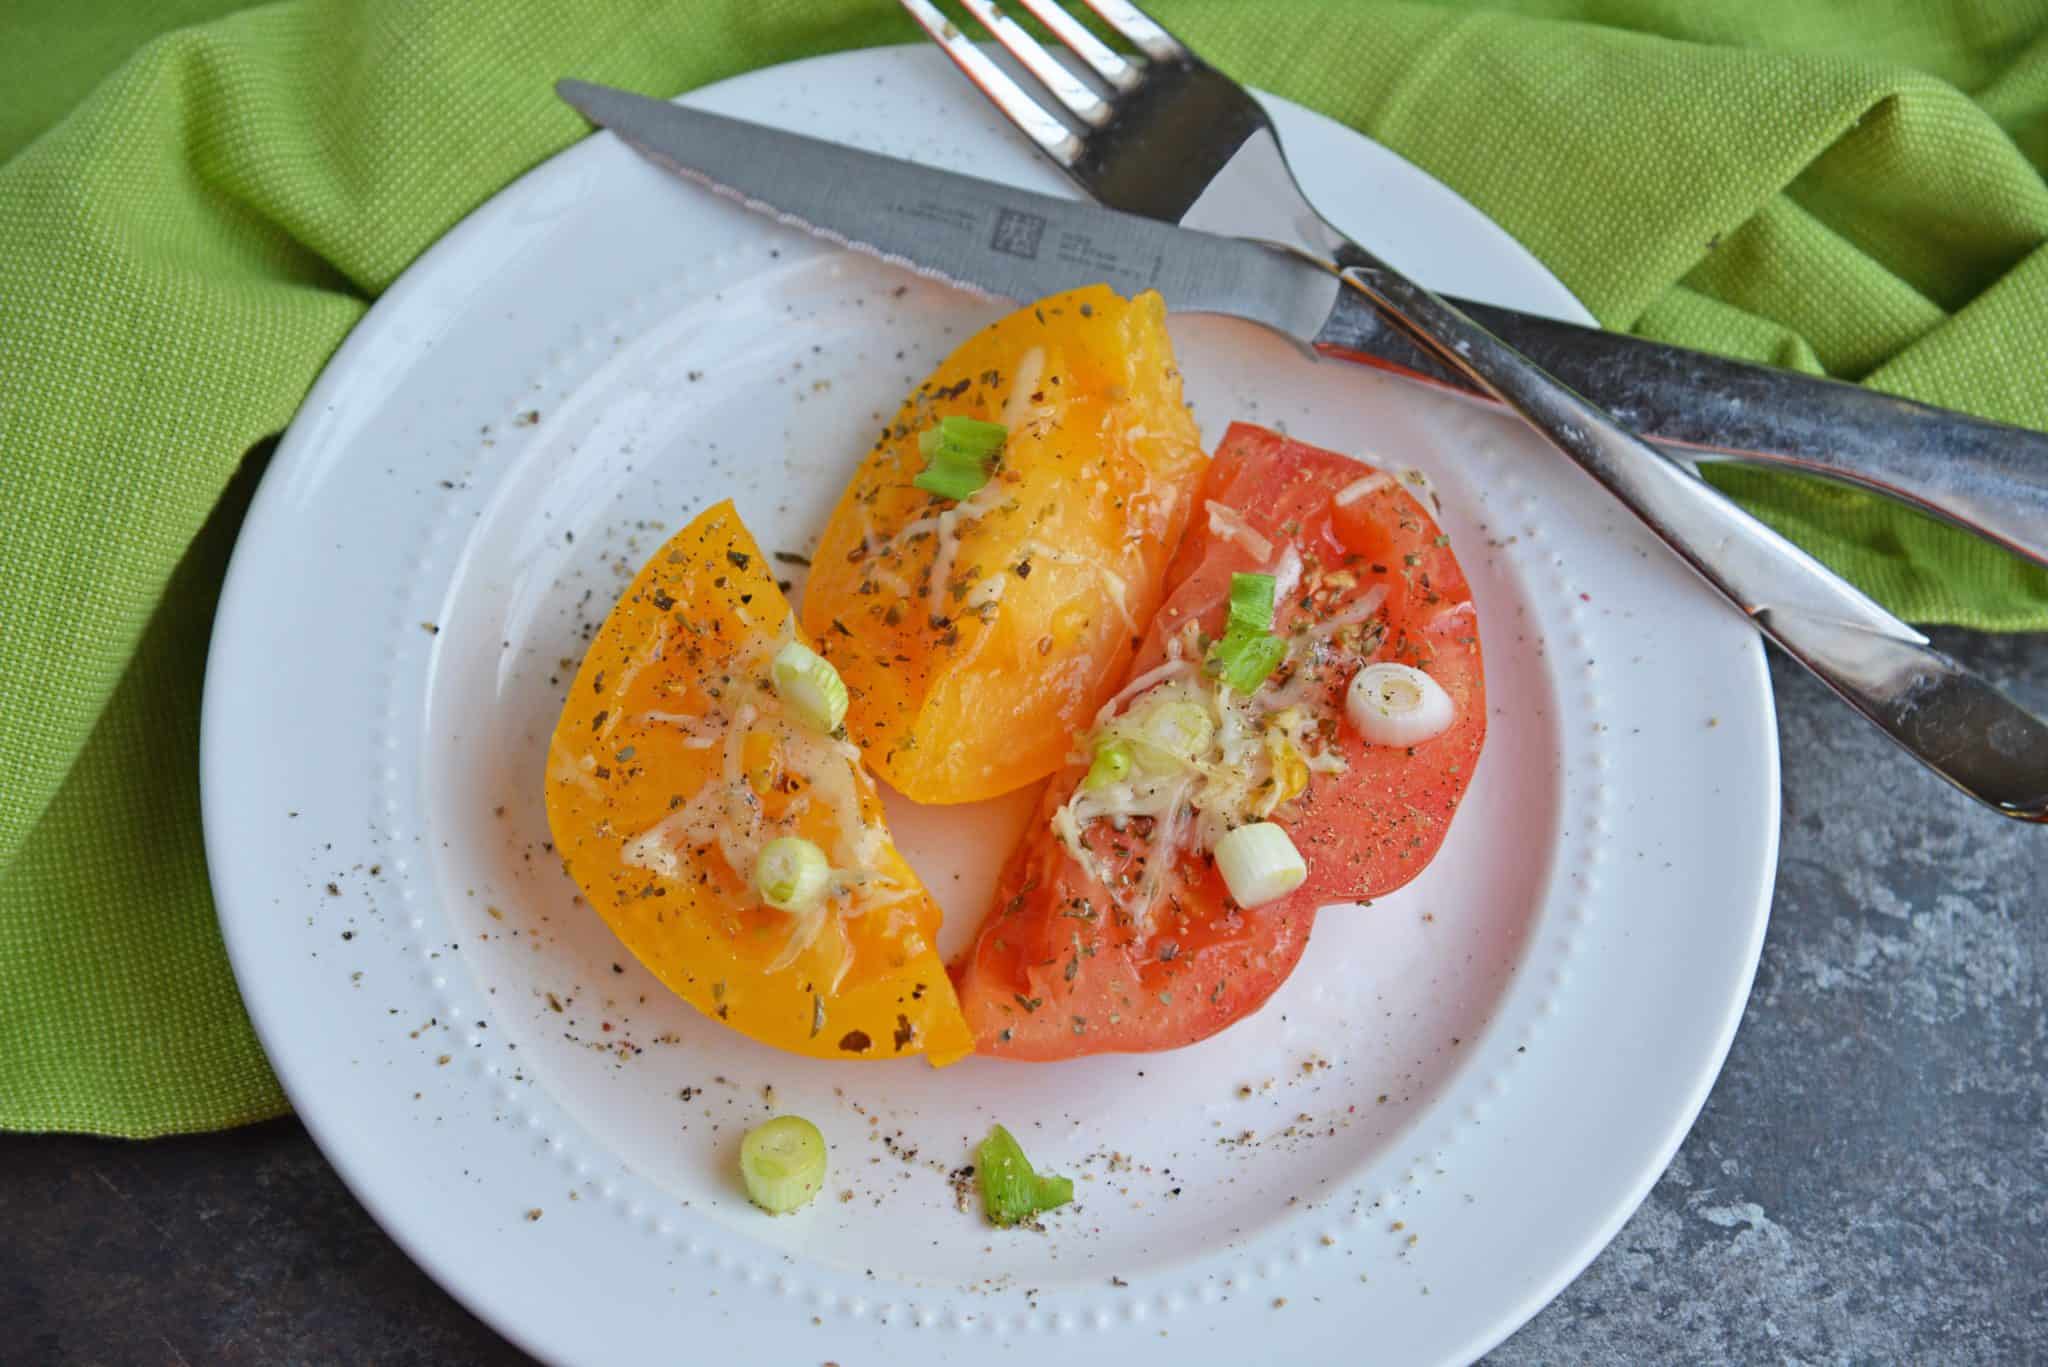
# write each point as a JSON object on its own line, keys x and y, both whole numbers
{"x": 989, "y": 590}
{"x": 1359, "y": 488}
{"x": 1362, "y": 610}
{"x": 1019, "y": 408}
{"x": 801, "y": 937}
{"x": 869, "y": 546}
{"x": 1119, "y": 591}
{"x": 1286, "y": 574}
{"x": 889, "y": 580}
{"x": 1421, "y": 483}
{"x": 1158, "y": 674}
{"x": 576, "y": 771}
{"x": 1230, "y": 524}
{"x": 693, "y": 726}
{"x": 946, "y": 525}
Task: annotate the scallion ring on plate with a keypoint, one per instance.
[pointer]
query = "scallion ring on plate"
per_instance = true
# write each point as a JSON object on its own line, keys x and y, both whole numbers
{"x": 782, "y": 1162}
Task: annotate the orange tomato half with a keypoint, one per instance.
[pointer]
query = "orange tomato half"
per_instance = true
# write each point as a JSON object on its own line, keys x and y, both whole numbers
{"x": 674, "y": 762}
{"x": 978, "y": 637}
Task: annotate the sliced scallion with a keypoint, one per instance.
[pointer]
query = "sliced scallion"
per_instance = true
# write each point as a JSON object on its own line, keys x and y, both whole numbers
{"x": 1399, "y": 705}
{"x": 783, "y": 1163}
{"x": 1259, "y": 863}
{"x": 790, "y": 873}
{"x": 1011, "y": 1192}
{"x": 970, "y": 436}
{"x": 1181, "y": 727}
{"x": 809, "y": 685}
{"x": 958, "y": 455}
{"x": 1248, "y": 652}
{"x": 1251, "y": 603}
{"x": 1243, "y": 662}
{"x": 1110, "y": 763}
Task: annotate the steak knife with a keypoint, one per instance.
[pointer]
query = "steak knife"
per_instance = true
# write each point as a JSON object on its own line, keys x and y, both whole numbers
{"x": 1988, "y": 478}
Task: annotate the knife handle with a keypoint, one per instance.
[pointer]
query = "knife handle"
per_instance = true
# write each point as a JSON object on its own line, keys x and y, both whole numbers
{"x": 1985, "y": 477}
{"x": 1949, "y": 719}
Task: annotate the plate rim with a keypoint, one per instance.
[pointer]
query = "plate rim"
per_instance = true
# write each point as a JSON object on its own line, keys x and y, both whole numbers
{"x": 314, "y": 1111}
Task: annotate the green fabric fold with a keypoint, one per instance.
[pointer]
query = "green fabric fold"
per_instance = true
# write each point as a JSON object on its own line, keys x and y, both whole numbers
{"x": 196, "y": 205}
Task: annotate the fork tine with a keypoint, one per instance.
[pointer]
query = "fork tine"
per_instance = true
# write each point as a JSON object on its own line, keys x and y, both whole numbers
{"x": 1070, "y": 90}
{"x": 1038, "y": 123}
{"x": 1138, "y": 26}
{"x": 1092, "y": 50}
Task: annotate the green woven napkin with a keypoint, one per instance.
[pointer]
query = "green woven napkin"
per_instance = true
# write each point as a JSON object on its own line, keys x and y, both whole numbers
{"x": 190, "y": 224}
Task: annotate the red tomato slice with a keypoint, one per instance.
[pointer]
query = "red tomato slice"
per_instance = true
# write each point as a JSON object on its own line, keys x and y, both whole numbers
{"x": 1062, "y": 967}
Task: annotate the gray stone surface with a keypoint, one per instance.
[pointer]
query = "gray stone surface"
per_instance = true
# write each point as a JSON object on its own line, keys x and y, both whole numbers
{"x": 1868, "y": 1182}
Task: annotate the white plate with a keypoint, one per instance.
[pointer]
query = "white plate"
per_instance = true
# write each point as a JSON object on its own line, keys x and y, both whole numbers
{"x": 1450, "y": 1107}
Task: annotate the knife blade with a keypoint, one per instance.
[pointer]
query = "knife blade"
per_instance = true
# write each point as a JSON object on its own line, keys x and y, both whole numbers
{"x": 990, "y": 238}
{"x": 1003, "y": 242}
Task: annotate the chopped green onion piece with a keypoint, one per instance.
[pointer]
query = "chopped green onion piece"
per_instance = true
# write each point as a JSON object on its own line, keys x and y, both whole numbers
{"x": 1251, "y": 603}
{"x": 954, "y": 477}
{"x": 1248, "y": 651}
{"x": 1111, "y": 762}
{"x": 783, "y": 1163}
{"x": 1011, "y": 1192}
{"x": 958, "y": 454}
{"x": 1395, "y": 704}
{"x": 790, "y": 873}
{"x": 1243, "y": 661}
{"x": 972, "y": 435}
{"x": 1182, "y": 728}
{"x": 1259, "y": 863}
{"x": 810, "y": 686}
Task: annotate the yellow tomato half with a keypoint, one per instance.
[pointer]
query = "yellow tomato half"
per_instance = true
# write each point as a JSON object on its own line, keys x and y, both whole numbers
{"x": 978, "y": 637}
{"x": 675, "y": 762}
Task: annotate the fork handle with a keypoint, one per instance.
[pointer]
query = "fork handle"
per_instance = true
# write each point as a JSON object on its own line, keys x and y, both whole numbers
{"x": 1986, "y": 477}
{"x": 1949, "y": 719}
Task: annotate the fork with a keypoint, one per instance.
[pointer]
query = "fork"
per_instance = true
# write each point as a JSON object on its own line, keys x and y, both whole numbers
{"x": 1163, "y": 134}
{"x": 1166, "y": 133}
